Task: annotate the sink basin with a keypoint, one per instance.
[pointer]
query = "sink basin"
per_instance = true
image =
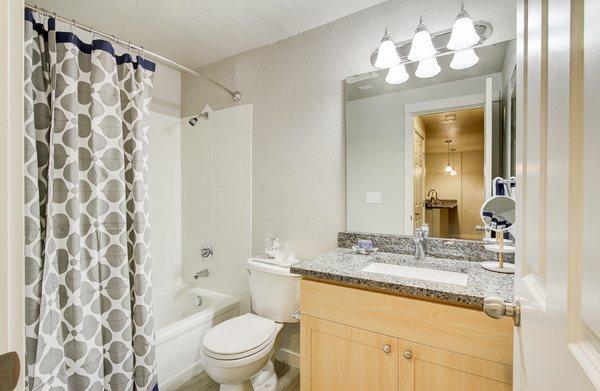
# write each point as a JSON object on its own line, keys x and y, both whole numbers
{"x": 418, "y": 273}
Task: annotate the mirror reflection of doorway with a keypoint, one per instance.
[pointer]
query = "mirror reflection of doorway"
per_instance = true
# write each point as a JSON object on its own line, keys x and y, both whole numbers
{"x": 450, "y": 184}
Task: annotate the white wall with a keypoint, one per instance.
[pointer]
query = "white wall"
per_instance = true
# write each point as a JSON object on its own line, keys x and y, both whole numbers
{"x": 375, "y": 151}
{"x": 165, "y": 178}
{"x": 296, "y": 87}
{"x": 216, "y": 190}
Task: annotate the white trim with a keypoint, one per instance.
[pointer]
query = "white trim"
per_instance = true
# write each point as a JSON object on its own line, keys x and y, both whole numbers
{"x": 488, "y": 139}
{"x": 410, "y": 110}
{"x": 12, "y": 324}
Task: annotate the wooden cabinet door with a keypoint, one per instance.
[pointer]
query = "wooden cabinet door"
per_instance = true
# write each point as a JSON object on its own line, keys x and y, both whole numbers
{"x": 339, "y": 357}
{"x": 425, "y": 368}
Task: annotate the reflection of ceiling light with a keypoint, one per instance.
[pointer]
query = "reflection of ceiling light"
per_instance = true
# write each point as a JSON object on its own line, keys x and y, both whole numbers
{"x": 387, "y": 56}
{"x": 448, "y": 119}
{"x": 428, "y": 68}
{"x": 464, "y": 59}
{"x": 421, "y": 46}
{"x": 397, "y": 75}
{"x": 463, "y": 32}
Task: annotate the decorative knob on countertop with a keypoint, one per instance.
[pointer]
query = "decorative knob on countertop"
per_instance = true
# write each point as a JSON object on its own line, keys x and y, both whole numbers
{"x": 387, "y": 348}
{"x": 407, "y": 354}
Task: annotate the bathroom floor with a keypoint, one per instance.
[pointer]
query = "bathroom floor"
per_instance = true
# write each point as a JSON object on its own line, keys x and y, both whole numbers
{"x": 289, "y": 380}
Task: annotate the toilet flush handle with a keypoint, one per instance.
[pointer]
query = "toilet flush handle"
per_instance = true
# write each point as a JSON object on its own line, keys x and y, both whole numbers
{"x": 296, "y": 314}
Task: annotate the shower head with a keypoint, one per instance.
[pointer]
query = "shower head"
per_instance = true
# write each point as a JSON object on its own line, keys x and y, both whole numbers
{"x": 194, "y": 120}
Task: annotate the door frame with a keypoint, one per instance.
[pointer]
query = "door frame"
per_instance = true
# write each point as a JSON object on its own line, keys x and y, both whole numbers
{"x": 12, "y": 317}
{"x": 427, "y": 107}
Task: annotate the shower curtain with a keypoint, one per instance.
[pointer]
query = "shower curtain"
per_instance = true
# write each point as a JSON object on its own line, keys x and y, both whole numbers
{"x": 89, "y": 321}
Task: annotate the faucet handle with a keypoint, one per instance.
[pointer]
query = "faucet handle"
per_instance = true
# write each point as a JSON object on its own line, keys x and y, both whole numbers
{"x": 425, "y": 230}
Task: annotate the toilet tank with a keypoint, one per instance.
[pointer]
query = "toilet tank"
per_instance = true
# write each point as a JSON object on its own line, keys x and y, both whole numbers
{"x": 274, "y": 290}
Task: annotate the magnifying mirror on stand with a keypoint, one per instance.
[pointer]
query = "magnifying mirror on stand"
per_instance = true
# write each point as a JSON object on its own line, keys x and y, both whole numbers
{"x": 498, "y": 215}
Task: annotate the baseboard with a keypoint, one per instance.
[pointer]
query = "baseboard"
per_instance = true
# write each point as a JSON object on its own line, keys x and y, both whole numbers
{"x": 287, "y": 356}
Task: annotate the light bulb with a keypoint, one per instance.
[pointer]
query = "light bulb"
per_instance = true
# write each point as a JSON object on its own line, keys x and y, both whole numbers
{"x": 428, "y": 68}
{"x": 397, "y": 75}
{"x": 453, "y": 172}
{"x": 464, "y": 59}
{"x": 463, "y": 32}
{"x": 387, "y": 56}
{"x": 448, "y": 169}
{"x": 421, "y": 46}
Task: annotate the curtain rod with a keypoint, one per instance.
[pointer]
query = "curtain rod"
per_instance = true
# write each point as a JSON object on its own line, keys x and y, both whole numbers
{"x": 235, "y": 95}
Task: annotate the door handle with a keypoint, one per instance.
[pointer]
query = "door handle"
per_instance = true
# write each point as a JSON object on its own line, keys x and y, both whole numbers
{"x": 496, "y": 308}
{"x": 9, "y": 371}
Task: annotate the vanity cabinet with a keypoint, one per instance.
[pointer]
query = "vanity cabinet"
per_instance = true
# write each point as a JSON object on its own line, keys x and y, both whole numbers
{"x": 356, "y": 339}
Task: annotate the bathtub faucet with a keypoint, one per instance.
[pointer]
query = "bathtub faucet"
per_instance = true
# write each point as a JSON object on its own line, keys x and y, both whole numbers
{"x": 201, "y": 273}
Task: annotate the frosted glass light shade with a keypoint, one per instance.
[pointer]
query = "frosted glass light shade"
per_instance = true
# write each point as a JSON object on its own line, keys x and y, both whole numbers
{"x": 421, "y": 46}
{"x": 387, "y": 56}
{"x": 464, "y": 59}
{"x": 463, "y": 33}
{"x": 427, "y": 68}
{"x": 453, "y": 172}
{"x": 397, "y": 75}
{"x": 448, "y": 169}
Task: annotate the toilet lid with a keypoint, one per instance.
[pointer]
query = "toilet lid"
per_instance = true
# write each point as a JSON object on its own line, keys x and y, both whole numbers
{"x": 238, "y": 335}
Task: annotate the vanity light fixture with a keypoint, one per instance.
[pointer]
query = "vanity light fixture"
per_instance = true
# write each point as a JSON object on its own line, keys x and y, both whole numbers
{"x": 428, "y": 68}
{"x": 421, "y": 47}
{"x": 453, "y": 172}
{"x": 463, "y": 31}
{"x": 464, "y": 59}
{"x": 448, "y": 168}
{"x": 387, "y": 56}
{"x": 397, "y": 75}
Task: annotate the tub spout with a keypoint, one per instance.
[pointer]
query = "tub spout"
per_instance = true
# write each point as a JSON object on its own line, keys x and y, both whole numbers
{"x": 201, "y": 273}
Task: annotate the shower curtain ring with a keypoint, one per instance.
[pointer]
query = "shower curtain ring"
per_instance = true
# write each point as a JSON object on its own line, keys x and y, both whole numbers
{"x": 73, "y": 25}
{"x": 93, "y": 33}
{"x": 129, "y": 47}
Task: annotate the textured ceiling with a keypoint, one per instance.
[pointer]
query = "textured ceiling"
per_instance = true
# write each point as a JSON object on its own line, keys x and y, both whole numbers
{"x": 466, "y": 131}
{"x": 199, "y": 32}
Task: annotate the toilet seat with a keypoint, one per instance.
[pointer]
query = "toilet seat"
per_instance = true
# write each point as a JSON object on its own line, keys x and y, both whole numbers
{"x": 240, "y": 337}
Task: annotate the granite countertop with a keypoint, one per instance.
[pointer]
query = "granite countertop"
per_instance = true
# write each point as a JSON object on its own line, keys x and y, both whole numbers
{"x": 442, "y": 204}
{"x": 344, "y": 266}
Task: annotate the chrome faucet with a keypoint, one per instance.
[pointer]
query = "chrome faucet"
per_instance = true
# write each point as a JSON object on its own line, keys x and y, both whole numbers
{"x": 419, "y": 240}
{"x": 201, "y": 273}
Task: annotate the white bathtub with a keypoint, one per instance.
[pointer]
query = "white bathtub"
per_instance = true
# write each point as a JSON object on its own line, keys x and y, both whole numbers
{"x": 181, "y": 323}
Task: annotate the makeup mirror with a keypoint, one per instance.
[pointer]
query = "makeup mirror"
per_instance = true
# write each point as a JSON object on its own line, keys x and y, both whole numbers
{"x": 498, "y": 215}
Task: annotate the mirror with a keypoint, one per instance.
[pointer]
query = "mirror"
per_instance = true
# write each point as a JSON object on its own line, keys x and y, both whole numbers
{"x": 498, "y": 213}
{"x": 425, "y": 151}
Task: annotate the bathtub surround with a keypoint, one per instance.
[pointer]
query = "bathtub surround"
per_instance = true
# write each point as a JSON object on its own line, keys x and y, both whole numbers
{"x": 298, "y": 113}
{"x": 88, "y": 281}
{"x": 216, "y": 164}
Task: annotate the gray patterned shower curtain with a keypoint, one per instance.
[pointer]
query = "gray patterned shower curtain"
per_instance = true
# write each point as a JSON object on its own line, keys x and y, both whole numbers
{"x": 89, "y": 321}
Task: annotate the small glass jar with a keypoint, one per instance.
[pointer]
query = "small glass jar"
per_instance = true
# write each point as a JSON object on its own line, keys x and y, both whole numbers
{"x": 272, "y": 247}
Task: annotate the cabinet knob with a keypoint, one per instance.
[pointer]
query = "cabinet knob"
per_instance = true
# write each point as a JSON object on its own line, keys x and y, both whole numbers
{"x": 407, "y": 354}
{"x": 387, "y": 348}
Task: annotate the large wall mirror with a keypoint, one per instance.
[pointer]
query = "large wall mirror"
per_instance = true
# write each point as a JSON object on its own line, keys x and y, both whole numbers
{"x": 426, "y": 150}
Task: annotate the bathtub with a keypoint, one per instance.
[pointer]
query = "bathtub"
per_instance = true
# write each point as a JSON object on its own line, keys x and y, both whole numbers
{"x": 181, "y": 323}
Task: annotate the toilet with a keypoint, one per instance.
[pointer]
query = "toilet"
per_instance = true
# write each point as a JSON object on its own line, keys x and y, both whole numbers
{"x": 237, "y": 349}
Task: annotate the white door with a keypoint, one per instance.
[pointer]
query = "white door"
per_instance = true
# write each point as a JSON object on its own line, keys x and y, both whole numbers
{"x": 488, "y": 133}
{"x": 557, "y": 346}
